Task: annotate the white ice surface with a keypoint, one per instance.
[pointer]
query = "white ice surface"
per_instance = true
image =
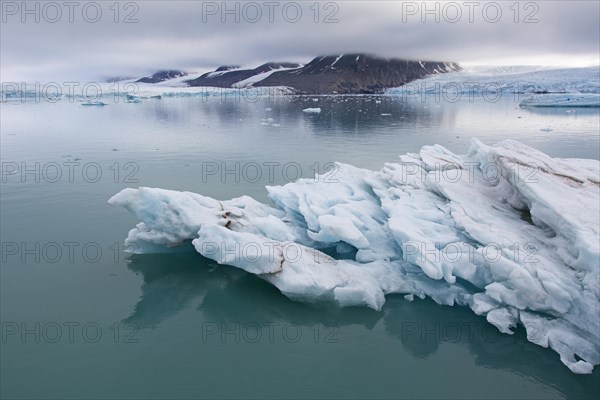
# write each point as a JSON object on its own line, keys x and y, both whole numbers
{"x": 507, "y": 80}
{"x": 505, "y": 230}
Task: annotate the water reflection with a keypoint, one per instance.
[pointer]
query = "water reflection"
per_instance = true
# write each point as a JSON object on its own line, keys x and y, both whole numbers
{"x": 174, "y": 282}
{"x": 362, "y": 115}
{"x": 431, "y": 326}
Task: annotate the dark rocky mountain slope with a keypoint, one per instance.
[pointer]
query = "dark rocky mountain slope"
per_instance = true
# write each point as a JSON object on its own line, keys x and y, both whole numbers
{"x": 355, "y": 73}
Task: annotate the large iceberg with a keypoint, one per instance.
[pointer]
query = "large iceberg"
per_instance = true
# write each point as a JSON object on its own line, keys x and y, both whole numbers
{"x": 505, "y": 230}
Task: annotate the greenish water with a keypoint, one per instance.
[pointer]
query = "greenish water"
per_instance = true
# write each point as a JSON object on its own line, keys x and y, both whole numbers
{"x": 81, "y": 319}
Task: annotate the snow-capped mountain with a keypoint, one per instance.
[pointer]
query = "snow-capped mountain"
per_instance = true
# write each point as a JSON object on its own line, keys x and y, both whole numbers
{"x": 343, "y": 74}
{"x": 229, "y": 76}
{"x": 162, "y": 76}
{"x": 355, "y": 73}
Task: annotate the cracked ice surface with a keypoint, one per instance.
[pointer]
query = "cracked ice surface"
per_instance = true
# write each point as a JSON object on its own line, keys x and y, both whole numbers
{"x": 505, "y": 230}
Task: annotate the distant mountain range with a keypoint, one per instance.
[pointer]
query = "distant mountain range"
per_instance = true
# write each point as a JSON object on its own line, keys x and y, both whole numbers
{"x": 162, "y": 76}
{"x": 341, "y": 74}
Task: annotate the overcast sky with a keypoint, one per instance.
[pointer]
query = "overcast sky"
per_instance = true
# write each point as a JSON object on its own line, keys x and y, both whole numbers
{"x": 66, "y": 43}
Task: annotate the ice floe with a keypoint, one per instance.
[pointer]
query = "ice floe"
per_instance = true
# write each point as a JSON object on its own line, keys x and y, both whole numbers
{"x": 505, "y": 230}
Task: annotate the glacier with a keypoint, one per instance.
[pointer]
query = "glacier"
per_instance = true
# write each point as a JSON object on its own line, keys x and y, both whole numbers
{"x": 512, "y": 80}
{"x": 562, "y": 100}
{"x": 505, "y": 230}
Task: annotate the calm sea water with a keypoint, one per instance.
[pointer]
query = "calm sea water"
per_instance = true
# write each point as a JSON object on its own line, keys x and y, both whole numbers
{"x": 81, "y": 319}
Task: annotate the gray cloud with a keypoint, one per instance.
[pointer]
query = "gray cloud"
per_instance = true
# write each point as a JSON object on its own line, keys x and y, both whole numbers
{"x": 183, "y": 35}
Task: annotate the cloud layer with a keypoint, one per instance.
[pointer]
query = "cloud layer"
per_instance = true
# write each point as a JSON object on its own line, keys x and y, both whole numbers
{"x": 93, "y": 40}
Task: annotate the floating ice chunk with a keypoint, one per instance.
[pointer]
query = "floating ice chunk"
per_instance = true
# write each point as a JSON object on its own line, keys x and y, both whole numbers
{"x": 132, "y": 99}
{"x": 94, "y": 103}
{"x": 505, "y": 230}
{"x": 315, "y": 110}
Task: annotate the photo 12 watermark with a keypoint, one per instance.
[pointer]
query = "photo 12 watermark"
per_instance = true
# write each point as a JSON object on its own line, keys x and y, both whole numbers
{"x": 455, "y": 172}
{"x": 53, "y": 12}
{"x": 452, "y": 12}
{"x": 428, "y": 332}
{"x": 70, "y": 91}
{"x": 252, "y": 12}
{"x": 269, "y": 171}
{"x": 66, "y": 252}
{"x": 460, "y": 252}
{"x": 470, "y": 90}
{"x": 271, "y": 332}
{"x": 71, "y": 172}
{"x": 89, "y": 332}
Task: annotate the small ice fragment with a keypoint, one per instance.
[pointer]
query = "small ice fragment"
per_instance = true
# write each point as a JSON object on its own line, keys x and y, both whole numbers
{"x": 312, "y": 110}
{"x": 94, "y": 103}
